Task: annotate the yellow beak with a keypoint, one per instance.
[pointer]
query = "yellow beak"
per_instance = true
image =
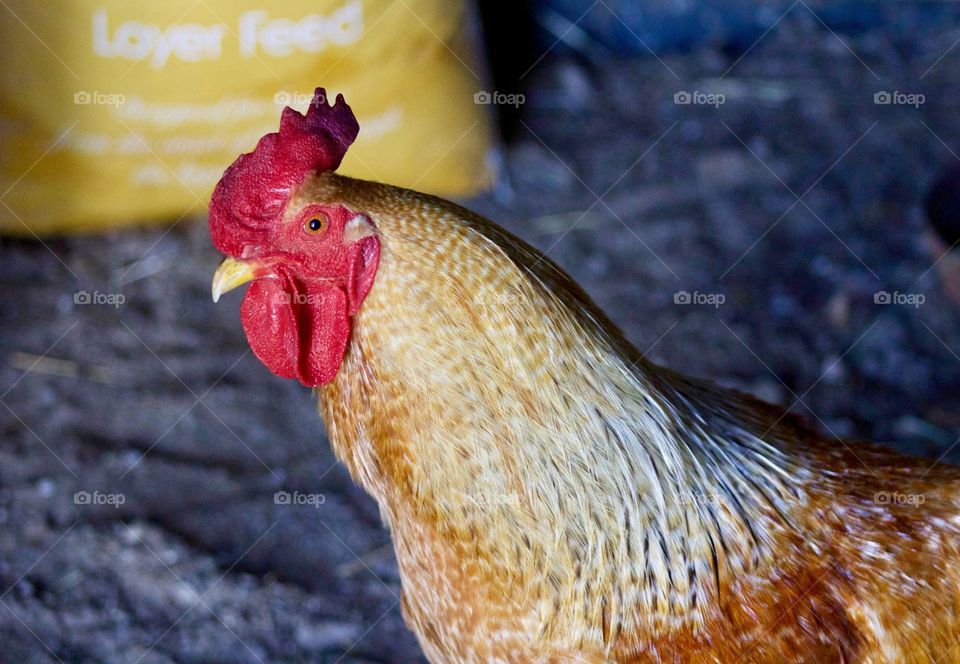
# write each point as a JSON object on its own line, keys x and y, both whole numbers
{"x": 232, "y": 273}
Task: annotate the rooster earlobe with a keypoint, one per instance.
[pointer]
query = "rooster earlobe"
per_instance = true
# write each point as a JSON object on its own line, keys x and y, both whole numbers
{"x": 364, "y": 259}
{"x": 358, "y": 228}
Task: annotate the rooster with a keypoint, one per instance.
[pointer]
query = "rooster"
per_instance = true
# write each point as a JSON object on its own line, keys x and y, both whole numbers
{"x": 552, "y": 495}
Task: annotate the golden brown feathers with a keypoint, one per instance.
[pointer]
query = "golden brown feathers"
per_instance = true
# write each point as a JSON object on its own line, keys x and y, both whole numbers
{"x": 555, "y": 497}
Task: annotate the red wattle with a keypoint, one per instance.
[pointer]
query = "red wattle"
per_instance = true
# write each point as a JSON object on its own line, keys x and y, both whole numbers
{"x": 297, "y": 331}
{"x": 325, "y": 330}
{"x": 270, "y": 326}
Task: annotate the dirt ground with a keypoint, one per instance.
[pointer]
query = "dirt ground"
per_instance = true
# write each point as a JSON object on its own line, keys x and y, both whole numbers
{"x": 157, "y": 403}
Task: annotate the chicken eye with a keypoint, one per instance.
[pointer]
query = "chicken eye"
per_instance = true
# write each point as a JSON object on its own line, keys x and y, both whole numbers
{"x": 316, "y": 225}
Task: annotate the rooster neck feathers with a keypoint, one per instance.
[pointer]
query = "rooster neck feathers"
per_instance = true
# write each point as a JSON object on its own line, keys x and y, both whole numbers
{"x": 528, "y": 429}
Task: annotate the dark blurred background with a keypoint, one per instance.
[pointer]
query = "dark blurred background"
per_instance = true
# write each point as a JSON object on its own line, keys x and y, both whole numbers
{"x": 766, "y": 196}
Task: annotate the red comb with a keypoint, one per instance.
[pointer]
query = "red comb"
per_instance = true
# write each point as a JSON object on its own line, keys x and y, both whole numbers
{"x": 253, "y": 192}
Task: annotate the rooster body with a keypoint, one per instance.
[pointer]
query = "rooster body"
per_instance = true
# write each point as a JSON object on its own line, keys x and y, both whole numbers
{"x": 554, "y": 497}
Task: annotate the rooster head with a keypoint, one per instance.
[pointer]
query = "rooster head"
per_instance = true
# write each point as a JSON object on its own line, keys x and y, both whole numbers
{"x": 311, "y": 263}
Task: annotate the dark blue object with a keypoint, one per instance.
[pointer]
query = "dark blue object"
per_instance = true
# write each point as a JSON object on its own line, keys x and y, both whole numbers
{"x": 943, "y": 205}
{"x": 630, "y": 28}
